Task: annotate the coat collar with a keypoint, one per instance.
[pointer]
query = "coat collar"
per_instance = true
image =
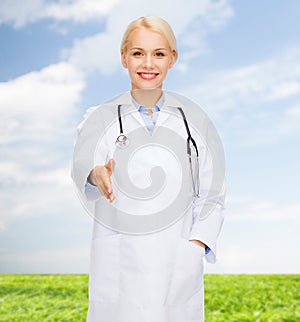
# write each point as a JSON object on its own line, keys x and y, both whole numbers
{"x": 167, "y": 109}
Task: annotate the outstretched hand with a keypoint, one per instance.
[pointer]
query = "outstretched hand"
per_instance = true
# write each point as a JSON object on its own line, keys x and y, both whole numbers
{"x": 100, "y": 177}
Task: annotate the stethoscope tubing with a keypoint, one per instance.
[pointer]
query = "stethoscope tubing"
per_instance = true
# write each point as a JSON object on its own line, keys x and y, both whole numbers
{"x": 123, "y": 141}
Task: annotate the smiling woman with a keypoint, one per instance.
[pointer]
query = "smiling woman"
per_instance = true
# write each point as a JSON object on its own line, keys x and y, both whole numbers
{"x": 152, "y": 227}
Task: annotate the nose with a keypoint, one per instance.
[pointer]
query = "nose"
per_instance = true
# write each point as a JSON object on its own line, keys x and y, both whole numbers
{"x": 148, "y": 62}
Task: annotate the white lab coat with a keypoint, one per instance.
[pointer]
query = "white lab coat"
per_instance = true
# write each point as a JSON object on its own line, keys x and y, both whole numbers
{"x": 149, "y": 277}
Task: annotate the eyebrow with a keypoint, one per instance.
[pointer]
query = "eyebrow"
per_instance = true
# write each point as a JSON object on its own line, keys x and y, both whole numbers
{"x": 137, "y": 48}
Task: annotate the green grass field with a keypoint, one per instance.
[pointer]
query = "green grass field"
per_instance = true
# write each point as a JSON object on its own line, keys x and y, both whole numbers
{"x": 237, "y": 298}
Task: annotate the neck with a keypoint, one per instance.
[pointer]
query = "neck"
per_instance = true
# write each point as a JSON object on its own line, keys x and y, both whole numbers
{"x": 147, "y": 97}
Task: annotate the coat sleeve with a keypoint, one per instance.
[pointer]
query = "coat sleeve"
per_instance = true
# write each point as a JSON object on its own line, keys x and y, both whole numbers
{"x": 90, "y": 149}
{"x": 208, "y": 209}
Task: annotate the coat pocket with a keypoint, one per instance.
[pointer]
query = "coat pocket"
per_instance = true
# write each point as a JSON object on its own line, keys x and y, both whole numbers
{"x": 104, "y": 276}
{"x": 187, "y": 280}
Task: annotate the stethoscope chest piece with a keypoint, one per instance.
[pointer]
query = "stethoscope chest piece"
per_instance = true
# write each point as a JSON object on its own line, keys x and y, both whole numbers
{"x": 122, "y": 141}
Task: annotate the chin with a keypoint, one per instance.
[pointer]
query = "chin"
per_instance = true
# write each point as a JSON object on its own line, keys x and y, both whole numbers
{"x": 148, "y": 86}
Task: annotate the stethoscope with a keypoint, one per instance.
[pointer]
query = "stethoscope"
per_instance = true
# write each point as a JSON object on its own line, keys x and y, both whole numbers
{"x": 122, "y": 142}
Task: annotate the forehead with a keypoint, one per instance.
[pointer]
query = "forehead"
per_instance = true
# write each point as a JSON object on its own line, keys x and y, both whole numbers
{"x": 145, "y": 38}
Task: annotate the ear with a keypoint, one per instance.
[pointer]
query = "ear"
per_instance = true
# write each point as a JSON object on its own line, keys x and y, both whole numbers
{"x": 123, "y": 59}
{"x": 173, "y": 58}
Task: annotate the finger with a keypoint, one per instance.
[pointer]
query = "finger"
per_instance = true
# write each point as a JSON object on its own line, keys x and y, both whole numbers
{"x": 109, "y": 187}
{"x": 107, "y": 183}
{"x": 104, "y": 183}
{"x": 105, "y": 188}
{"x": 111, "y": 197}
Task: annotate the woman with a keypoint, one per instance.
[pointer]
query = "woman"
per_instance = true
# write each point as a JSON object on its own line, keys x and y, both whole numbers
{"x": 147, "y": 262}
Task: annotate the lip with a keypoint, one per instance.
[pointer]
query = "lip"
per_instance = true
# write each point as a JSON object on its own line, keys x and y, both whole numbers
{"x": 147, "y": 75}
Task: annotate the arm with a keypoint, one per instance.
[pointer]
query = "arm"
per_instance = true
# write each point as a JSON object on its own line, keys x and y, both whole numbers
{"x": 208, "y": 209}
{"x": 86, "y": 173}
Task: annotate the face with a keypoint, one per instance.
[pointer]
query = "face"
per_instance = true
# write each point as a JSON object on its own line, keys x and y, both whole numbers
{"x": 148, "y": 59}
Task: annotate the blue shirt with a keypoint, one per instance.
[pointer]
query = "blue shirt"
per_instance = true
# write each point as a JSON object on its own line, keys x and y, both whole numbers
{"x": 149, "y": 120}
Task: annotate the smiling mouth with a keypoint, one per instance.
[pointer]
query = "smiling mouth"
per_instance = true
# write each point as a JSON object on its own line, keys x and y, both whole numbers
{"x": 148, "y": 76}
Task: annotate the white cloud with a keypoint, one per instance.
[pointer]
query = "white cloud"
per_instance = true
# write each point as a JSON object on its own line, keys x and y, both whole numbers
{"x": 35, "y": 192}
{"x": 260, "y": 101}
{"x": 266, "y": 211}
{"x": 71, "y": 260}
{"x": 284, "y": 90}
{"x": 250, "y": 86}
{"x": 38, "y": 103}
{"x": 259, "y": 236}
{"x": 101, "y": 51}
{"x": 2, "y": 227}
{"x": 272, "y": 257}
{"x": 289, "y": 124}
{"x": 80, "y": 10}
{"x": 19, "y": 13}
{"x": 37, "y": 111}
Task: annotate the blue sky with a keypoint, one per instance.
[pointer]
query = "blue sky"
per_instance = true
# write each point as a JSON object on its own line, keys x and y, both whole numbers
{"x": 239, "y": 60}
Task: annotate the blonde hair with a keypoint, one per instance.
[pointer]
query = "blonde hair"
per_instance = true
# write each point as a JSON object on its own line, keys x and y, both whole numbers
{"x": 151, "y": 23}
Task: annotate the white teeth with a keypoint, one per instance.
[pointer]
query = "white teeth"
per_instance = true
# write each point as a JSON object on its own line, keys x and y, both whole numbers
{"x": 148, "y": 75}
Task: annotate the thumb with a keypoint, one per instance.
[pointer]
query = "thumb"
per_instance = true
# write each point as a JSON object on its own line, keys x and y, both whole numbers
{"x": 110, "y": 165}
